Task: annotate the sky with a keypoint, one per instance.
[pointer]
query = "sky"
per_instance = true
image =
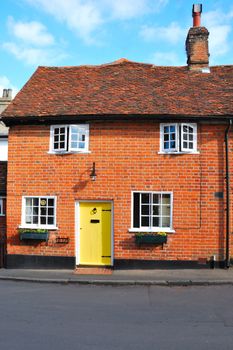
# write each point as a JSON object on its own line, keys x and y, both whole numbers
{"x": 76, "y": 32}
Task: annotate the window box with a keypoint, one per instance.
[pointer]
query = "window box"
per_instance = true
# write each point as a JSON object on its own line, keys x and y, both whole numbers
{"x": 150, "y": 238}
{"x": 30, "y": 234}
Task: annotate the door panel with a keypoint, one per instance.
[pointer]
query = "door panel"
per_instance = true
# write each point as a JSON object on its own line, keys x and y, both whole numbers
{"x": 95, "y": 233}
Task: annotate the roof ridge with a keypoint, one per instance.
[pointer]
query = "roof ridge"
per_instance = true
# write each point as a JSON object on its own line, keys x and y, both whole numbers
{"x": 117, "y": 62}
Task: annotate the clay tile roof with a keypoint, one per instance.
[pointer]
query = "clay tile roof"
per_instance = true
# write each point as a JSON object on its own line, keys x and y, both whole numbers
{"x": 124, "y": 87}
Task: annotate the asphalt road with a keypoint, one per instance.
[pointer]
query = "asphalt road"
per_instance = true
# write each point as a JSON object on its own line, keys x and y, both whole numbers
{"x": 46, "y": 316}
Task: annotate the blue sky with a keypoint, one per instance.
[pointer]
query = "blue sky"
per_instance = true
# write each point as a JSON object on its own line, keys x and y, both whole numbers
{"x": 76, "y": 32}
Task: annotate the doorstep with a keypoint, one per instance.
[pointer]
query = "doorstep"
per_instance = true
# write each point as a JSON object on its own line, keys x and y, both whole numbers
{"x": 95, "y": 270}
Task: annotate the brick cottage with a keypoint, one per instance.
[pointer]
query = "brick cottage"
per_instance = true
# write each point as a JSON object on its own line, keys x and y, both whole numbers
{"x": 122, "y": 163}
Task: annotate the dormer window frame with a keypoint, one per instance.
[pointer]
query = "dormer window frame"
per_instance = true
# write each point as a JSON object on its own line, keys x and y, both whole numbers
{"x": 69, "y": 138}
{"x": 178, "y": 138}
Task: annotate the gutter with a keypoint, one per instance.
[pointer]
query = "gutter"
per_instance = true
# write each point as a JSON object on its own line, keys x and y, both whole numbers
{"x": 227, "y": 261}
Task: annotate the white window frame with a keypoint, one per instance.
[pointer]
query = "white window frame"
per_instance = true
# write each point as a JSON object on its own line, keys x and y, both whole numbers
{"x": 151, "y": 229}
{"x": 3, "y": 149}
{"x": 68, "y": 149}
{"x": 2, "y": 211}
{"x": 39, "y": 225}
{"x": 194, "y": 141}
{"x": 180, "y": 149}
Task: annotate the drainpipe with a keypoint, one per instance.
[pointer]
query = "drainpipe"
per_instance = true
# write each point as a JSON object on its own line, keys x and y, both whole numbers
{"x": 227, "y": 261}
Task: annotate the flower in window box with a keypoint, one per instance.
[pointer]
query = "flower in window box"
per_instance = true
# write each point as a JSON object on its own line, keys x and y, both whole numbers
{"x": 151, "y": 238}
{"x": 33, "y": 234}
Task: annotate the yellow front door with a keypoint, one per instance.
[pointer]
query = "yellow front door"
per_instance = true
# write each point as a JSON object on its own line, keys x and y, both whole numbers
{"x": 95, "y": 233}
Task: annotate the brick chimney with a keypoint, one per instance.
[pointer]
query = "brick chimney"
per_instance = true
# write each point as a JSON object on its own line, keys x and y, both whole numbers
{"x": 197, "y": 46}
{"x": 5, "y": 99}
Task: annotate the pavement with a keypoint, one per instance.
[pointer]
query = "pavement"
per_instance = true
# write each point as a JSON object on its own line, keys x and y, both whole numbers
{"x": 171, "y": 277}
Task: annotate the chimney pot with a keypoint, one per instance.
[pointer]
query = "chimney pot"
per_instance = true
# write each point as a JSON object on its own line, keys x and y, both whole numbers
{"x": 4, "y": 94}
{"x": 9, "y": 93}
{"x": 197, "y": 10}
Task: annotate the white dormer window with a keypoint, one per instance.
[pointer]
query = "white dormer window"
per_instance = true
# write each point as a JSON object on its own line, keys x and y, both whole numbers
{"x": 69, "y": 138}
{"x": 178, "y": 138}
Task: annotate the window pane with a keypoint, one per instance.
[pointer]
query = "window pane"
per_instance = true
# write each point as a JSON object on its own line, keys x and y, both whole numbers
{"x": 172, "y": 128}
{"x": 185, "y": 144}
{"x": 185, "y": 128}
{"x": 145, "y": 210}
{"x": 50, "y": 211}
{"x": 166, "y": 210}
{"x": 43, "y": 202}
{"x": 136, "y": 221}
{"x": 155, "y": 210}
{"x": 166, "y": 129}
{"x": 74, "y": 144}
{"x": 81, "y": 145}
{"x": 74, "y": 129}
{"x": 43, "y": 220}
{"x": 145, "y": 198}
{"x": 173, "y": 137}
{"x": 155, "y": 221}
{"x": 74, "y": 137}
{"x": 28, "y": 211}
{"x": 28, "y": 202}
{"x": 172, "y": 145}
{"x": 50, "y": 220}
{"x": 166, "y": 198}
{"x": 43, "y": 211}
{"x": 50, "y": 202}
{"x": 190, "y": 145}
{"x": 156, "y": 198}
{"x": 166, "y": 221}
{"x": 28, "y": 219}
{"x": 35, "y": 202}
{"x": 35, "y": 219}
{"x": 145, "y": 221}
{"x": 35, "y": 210}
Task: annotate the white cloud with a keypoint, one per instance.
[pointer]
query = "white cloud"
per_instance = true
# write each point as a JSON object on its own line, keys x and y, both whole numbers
{"x": 32, "y": 44}
{"x": 85, "y": 17}
{"x": 126, "y": 9}
{"x": 219, "y": 25}
{"x": 34, "y": 56}
{"x": 166, "y": 58}
{"x": 172, "y": 33}
{"x": 6, "y": 84}
{"x": 34, "y": 33}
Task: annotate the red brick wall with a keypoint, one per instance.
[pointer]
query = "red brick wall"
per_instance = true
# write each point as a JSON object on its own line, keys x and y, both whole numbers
{"x": 127, "y": 159}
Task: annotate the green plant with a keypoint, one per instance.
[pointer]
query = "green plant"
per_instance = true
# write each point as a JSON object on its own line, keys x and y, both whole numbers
{"x": 140, "y": 234}
{"x": 32, "y": 230}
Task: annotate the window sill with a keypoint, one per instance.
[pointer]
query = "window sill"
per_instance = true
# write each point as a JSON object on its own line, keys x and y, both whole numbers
{"x": 2, "y": 215}
{"x": 44, "y": 227}
{"x": 162, "y": 152}
{"x": 162, "y": 229}
{"x": 73, "y": 152}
